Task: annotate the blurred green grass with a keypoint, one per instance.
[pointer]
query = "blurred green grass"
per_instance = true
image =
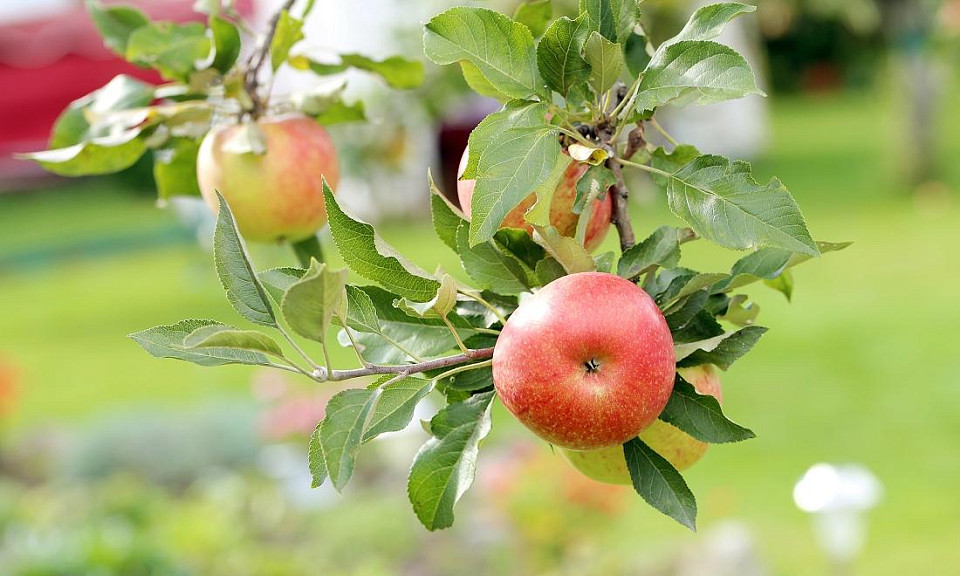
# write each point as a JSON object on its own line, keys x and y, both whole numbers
{"x": 860, "y": 367}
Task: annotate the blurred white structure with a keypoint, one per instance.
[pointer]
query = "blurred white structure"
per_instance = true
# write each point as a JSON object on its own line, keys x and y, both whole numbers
{"x": 837, "y": 497}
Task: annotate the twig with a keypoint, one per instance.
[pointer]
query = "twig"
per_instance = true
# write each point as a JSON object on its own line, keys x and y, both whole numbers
{"x": 670, "y": 139}
{"x": 620, "y": 216}
{"x": 258, "y": 57}
{"x": 445, "y": 362}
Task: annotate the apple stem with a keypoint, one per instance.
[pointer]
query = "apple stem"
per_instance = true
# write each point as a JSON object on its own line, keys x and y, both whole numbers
{"x": 257, "y": 58}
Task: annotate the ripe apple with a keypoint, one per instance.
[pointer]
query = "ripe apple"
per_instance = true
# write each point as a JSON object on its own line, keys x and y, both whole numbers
{"x": 276, "y": 195}
{"x": 585, "y": 363}
{"x": 561, "y": 208}
{"x": 679, "y": 448}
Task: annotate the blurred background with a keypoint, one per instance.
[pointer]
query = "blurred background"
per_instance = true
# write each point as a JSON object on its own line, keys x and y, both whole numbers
{"x": 115, "y": 463}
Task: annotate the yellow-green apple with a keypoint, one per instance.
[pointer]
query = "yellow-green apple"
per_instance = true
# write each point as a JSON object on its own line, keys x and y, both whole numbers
{"x": 276, "y": 195}
{"x": 585, "y": 363}
{"x": 679, "y": 448}
{"x": 561, "y": 207}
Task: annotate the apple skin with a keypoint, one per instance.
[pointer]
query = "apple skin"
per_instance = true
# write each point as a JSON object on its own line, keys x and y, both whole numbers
{"x": 561, "y": 208}
{"x": 679, "y": 448}
{"x": 276, "y": 195}
{"x": 541, "y": 361}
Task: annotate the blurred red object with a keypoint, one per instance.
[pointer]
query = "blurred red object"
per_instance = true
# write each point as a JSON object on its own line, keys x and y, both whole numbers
{"x": 50, "y": 59}
{"x": 8, "y": 388}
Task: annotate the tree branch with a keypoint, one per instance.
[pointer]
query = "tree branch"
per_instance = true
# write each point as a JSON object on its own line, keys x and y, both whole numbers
{"x": 407, "y": 369}
{"x": 619, "y": 216}
{"x": 259, "y": 56}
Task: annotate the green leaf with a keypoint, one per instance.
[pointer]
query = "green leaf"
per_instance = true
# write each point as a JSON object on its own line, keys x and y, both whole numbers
{"x": 662, "y": 248}
{"x": 175, "y": 168}
{"x": 444, "y": 467}
{"x": 116, "y": 23}
{"x": 614, "y": 19}
{"x": 695, "y": 72}
{"x": 172, "y": 49}
{"x": 535, "y": 15}
{"x": 708, "y": 22}
{"x": 768, "y": 264}
{"x": 394, "y": 408}
{"x": 398, "y": 72}
{"x": 471, "y": 380}
{"x": 437, "y": 307}
{"x": 311, "y": 302}
{"x": 479, "y": 84}
{"x": 276, "y": 281}
{"x": 511, "y": 168}
{"x": 782, "y": 283}
{"x": 339, "y": 112}
{"x": 492, "y": 268}
{"x": 219, "y": 336}
{"x": 341, "y": 432}
{"x": 606, "y": 61}
{"x": 361, "y": 313}
{"x": 318, "y": 466}
{"x": 425, "y": 337}
{"x": 700, "y": 416}
{"x": 567, "y": 251}
{"x": 167, "y": 342}
{"x": 724, "y": 204}
{"x": 226, "y": 44}
{"x": 659, "y": 483}
{"x": 685, "y": 310}
{"x": 596, "y": 179}
{"x": 559, "y": 54}
{"x": 241, "y": 284}
{"x": 308, "y": 249}
{"x": 516, "y": 114}
{"x": 289, "y": 32}
{"x": 446, "y": 221}
{"x": 369, "y": 256}
{"x": 727, "y": 351}
{"x": 91, "y": 116}
{"x": 637, "y": 52}
{"x": 501, "y": 49}
{"x": 740, "y": 311}
{"x": 104, "y": 155}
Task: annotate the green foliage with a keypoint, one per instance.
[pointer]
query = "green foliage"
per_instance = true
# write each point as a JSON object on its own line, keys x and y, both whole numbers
{"x": 700, "y": 416}
{"x": 659, "y": 483}
{"x": 535, "y": 15}
{"x": 503, "y": 53}
{"x": 310, "y": 303}
{"x": 444, "y": 467}
{"x": 172, "y": 49}
{"x": 242, "y": 286}
{"x": 341, "y": 432}
{"x": 289, "y": 32}
{"x": 558, "y": 54}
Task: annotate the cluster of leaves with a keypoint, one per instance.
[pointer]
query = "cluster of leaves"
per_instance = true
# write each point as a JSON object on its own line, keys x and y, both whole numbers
{"x": 573, "y": 90}
{"x": 206, "y": 83}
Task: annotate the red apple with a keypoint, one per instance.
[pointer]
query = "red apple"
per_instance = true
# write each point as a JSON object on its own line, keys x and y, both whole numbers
{"x": 276, "y": 195}
{"x": 561, "y": 208}
{"x": 679, "y": 448}
{"x": 585, "y": 363}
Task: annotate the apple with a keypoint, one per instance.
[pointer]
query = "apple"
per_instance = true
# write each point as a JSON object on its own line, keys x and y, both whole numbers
{"x": 586, "y": 362}
{"x": 276, "y": 195}
{"x": 561, "y": 208}
{"x": 679, "y": 448}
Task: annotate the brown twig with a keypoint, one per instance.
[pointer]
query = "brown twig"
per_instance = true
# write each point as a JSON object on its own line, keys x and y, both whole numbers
{"x": 258, "y": 57}
{"x": 620, "y": 217}
{"x": 407, "y": 369}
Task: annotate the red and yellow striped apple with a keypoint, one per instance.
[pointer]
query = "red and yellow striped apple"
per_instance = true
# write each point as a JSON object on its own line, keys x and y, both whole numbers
{"x": 679, "y": 448}
{"x": 561, "y": 208}
{"x": 585, "y": 363}
{"x": 277, "y": 195}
